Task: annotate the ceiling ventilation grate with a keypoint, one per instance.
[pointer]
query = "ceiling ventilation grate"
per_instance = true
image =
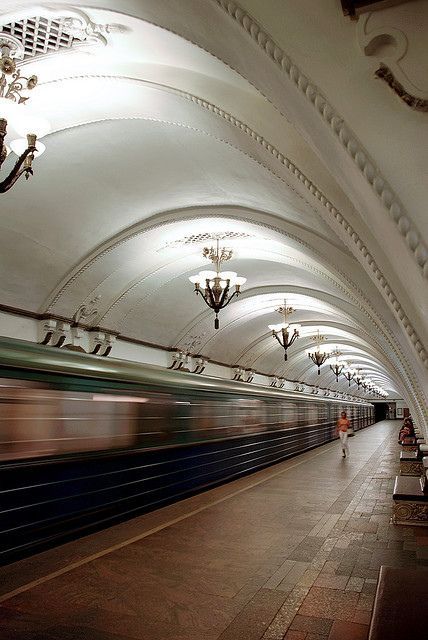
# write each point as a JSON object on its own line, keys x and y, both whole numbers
{"x": 40, "y": 35}
{"x": 199, "y": 238}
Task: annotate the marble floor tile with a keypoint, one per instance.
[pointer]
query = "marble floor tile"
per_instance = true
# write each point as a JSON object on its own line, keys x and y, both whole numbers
{"x": 330, "y": 603}
{"x": 311, "y": 624}
{"x": 348, "y": 630}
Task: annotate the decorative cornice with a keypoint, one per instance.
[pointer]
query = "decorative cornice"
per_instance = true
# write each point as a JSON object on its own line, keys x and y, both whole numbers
{"x": 385, "y": 74}
{"x": 341, "y": 131}
{"x": 312, "y": 189}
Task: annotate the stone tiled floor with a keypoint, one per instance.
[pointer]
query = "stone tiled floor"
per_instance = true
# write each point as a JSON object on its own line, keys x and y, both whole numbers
{"x": 292, "y": 552}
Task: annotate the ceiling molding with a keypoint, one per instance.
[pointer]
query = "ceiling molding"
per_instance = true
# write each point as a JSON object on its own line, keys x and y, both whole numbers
{"x": 359, "y": 155}
{"x": 334, "y": 215}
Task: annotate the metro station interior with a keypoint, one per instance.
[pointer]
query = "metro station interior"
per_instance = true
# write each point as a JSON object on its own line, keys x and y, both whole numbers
{"x": 213, "y": 319}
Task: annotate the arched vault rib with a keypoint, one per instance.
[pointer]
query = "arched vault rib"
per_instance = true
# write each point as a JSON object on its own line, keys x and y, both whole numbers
{"x": 331, "y": 215}
{"x": 263, "y": 347}
{"x": 400, "y": 365}
{"x": 263, "y": 164}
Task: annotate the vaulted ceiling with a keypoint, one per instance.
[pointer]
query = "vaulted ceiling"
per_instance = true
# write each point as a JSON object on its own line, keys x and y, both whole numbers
{"x": 261, "y": 124}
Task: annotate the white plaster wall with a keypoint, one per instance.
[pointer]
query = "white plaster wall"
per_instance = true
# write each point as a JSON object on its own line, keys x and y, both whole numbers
{"x": 14, "y": 326}
{"x": 140, "y": 353}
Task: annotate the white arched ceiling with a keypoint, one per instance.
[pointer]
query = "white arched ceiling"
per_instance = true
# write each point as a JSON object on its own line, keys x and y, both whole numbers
{"x": 173, "y": 133}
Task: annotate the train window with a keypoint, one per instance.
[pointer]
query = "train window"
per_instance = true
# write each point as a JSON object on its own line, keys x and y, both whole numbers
{"x": 248, "y": 415}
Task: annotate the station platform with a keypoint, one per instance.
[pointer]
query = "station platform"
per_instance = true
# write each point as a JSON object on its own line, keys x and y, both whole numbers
{"x": 291, "y": 552}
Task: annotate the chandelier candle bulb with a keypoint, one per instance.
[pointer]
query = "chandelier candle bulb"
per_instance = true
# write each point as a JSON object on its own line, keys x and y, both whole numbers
{"x": 18, "y": 116}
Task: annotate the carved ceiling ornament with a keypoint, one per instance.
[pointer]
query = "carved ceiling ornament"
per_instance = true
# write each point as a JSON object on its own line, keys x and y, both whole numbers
{"x": 418, "y": 104}
{"x": 50, "y": 29}
{"x": 399, "y": 51}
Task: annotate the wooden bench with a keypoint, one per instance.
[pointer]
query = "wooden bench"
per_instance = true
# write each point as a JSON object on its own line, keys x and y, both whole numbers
{"x": 410, "y": 465}
{"x": 410, "y": 501}
{"x": 409, "y": 444}
{"x": 400, "y": 606}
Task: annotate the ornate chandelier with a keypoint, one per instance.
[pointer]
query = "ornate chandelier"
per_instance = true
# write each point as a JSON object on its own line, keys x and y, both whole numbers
{"x": 380, "y": 392}
{"x": 358, "y": 377}
{"x": 338, "y": 365}
{"x": 17, "y": 115}
{"x": 284, "y": 332}
{"x": 317, "y": 354}
{"x": 349, "y": 374}
{"x": 217, "y": 284}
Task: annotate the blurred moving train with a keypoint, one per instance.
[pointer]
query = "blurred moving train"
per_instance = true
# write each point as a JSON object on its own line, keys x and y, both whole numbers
{"x": 86, "y": 442}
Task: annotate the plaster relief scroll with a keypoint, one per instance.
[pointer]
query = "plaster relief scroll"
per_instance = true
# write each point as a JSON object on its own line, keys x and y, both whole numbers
{"x": 396, "y": 38}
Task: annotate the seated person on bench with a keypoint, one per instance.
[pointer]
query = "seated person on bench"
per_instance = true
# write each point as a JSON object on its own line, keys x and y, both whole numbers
{"x": 406, "y": 430}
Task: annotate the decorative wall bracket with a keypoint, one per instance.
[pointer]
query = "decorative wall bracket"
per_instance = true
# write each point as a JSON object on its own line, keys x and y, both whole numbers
{"x": 199, "y": 364}
{"x": 180, "y": 361}
{"x": 184, "y": 361}
{"x": 53, "y": 333}
{"x": 59, "y": 333}
{"x": 243, "y": 375}
{"x": 100, "y": 343}
{"x": 277, "y": 382}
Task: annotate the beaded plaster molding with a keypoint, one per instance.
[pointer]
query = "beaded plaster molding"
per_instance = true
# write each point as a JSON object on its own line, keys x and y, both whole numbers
{"x": 361, "y": 159}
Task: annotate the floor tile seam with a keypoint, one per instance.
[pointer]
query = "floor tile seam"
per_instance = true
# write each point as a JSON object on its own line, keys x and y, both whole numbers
{"x": 294, "y": 599}
{"x": 91, "y": 558}
{"x": 239, "y": 613}
{"x": 320, "y": 525}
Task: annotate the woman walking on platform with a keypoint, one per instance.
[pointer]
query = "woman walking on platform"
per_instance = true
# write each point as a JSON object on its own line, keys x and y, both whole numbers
{"x": 343, "y": 425}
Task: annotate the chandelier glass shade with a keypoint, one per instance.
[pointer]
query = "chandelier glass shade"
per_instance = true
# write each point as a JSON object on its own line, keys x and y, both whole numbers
{"x": 20, "y": 126}
{"x": 286, "y": 334}
{"x": 215, "y": 286}
{"x": 319, "y": 354}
